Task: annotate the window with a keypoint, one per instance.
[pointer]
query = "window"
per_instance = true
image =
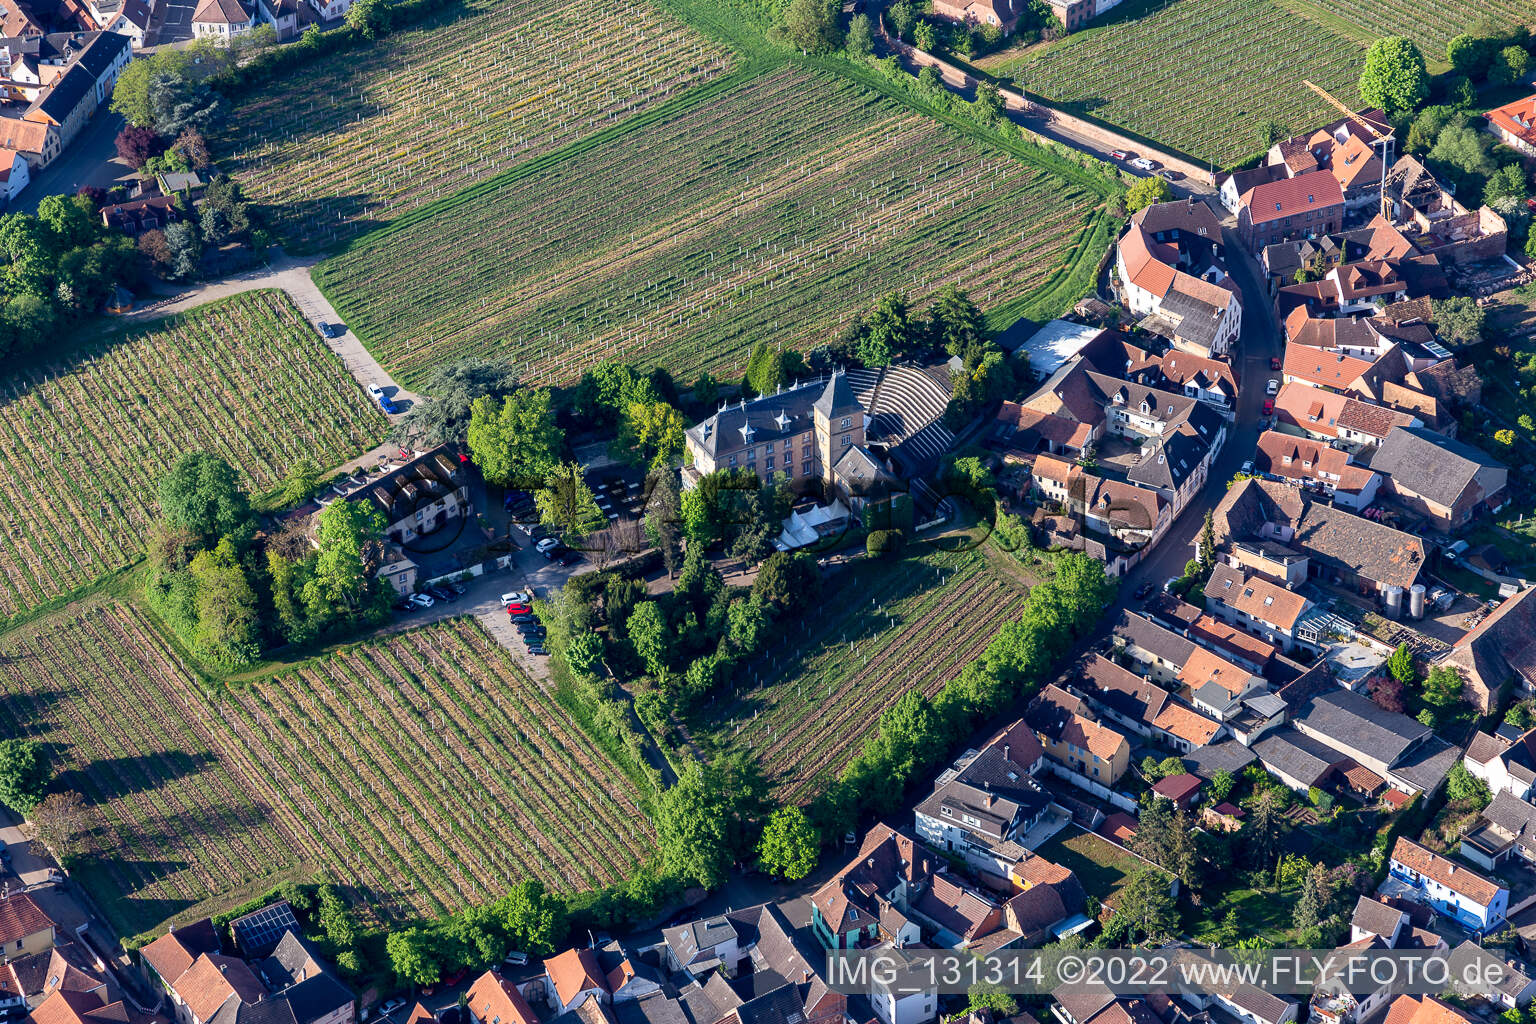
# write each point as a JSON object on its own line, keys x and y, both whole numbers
{"x": 847, "y": 440}
{"x": 751, "y": 454}
{"x": 733, "y": 461}
{"x": 768, "y": 462}
{"x": 847, "y": 422}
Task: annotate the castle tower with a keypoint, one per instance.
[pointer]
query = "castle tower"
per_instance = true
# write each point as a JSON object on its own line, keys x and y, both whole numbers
{"x": 839, "y": 423}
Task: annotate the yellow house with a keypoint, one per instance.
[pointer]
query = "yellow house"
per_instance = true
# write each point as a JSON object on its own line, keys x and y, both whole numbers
{"x": 1071, "y": 735}
{"x": 24, "y": 928}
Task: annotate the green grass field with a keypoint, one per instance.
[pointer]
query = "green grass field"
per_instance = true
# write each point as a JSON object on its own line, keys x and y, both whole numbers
{"x": 1102, "y": 867}
{"x": 769, "y": 211}
{"x": 1204, "y": 76}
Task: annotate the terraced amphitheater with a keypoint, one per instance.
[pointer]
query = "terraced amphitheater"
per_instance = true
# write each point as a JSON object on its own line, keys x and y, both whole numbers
{"x": 906, "y": 408}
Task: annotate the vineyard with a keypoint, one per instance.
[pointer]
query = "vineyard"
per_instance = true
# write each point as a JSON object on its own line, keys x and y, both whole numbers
{"x": 898, "y": 626}
{"x": 431, "y": 770}
{"x": 771, "y": 212}
{"x": 86, "y": 441}
{"x": 1201, "y": 76}
{"x": 424, "y": 769}
{"x": 424, "y": 113}
{"x": 1431, "y": 23}
{"x": 175, "y": 825}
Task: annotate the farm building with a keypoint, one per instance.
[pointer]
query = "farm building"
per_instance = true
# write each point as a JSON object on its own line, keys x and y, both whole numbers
{"x": 1515, "y": 124}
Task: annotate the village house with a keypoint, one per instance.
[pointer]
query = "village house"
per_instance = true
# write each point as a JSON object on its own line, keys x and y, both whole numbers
{"x": 1443, "y": 480}
{"x": 1134, "y": 516}
{"x": 1265, "y": 609}
{"x": 1346, "y": 149}
{"x": 495, "y": 1000}
{"x": 133, "y": 218}
{"x": 1309, "y": 462}
{"x": 1498, "y": 651}
{"x": 985, "y": 803}
{"x": 999, "y": 14}
{"x": 1169, "y": 266}
{"x": 24, "y": 928}
{"x": 1307, "y": 205}
{"x": 1506, "y": 765}
{"x": 1140, "y": 705}
{"x": 1279, "y": 531}
{"x": 422, "y": 496}
{"x": 63, "y": 78}
{"x": 574, "y": 976}
{"x": 1157, "y": 652}
{"x": 1400, "y": 751}
{"x": 1217, "y": 686}
{"x": 68, "y": 980}
{"x": 126, "y": 17}
{"x": 1515, "y": 124}
{"x": 1473, "y": 901}
{"x": 1075, "y": 740}
{"x": 1507, "y": 826}
{"x": 222, "y": 20}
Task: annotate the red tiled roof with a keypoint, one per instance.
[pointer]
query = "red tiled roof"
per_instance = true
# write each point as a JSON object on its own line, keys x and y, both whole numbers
{"x": 492, "y": 1000}
{"x": 1505, "y": 118}
{"x": 20, "y": 916}
{"x": 574, "y": 971}
{"x": 1149, "y": 265}
{"x": 1447, "y": 872}
{"x": 1276, "y": 200}
{"x": 1328, "y": 369}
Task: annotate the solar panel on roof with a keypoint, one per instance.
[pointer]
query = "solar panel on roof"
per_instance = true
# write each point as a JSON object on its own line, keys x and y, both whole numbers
{"x": 261, "y": 930}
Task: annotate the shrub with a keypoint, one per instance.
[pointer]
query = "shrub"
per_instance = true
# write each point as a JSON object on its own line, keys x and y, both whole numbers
{"x": 881, "y": 543}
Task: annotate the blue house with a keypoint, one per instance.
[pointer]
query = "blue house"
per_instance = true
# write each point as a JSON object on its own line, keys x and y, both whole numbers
{"x": 1476, "y": 903}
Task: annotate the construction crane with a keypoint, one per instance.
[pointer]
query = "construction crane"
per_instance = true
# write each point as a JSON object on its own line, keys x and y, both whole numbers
{"x": 1384, "y": 141}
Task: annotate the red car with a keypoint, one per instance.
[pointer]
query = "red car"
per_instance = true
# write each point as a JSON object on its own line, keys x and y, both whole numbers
{"x": 1269, "y": 407}
{"x": 1274, "y": 362}
{"x": 519, "y": 609}
{"x": 1116, "y": 154}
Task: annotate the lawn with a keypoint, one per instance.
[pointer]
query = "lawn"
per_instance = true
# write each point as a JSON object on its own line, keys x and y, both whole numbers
{"x": 338, "y": 145}
{"x": 1204, "y": 76}
{"x": 770, "y": 208}
{"x": 1102, "y": 867}
{"x": 883, "y": 629}
{"x": 424, "y": 770}
{"x": 86, "y": 439}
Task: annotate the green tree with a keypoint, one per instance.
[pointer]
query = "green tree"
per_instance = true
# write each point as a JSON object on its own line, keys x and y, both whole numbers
{"x": 788, "y": 579}
{"x": 1395, "y": 78}
{"x": 454, "y": 387}
{"x": 185, "y": 249}
{"x": 814, "y": 26}
{"x": 790, "y": 845}
{"x": 1461, "y": 784}
{"x": 341, "y": 586}
{"x": 24, "y": 775}
{"x": 1468, "y": 55}
{"x": 1459, "y": 319}
{"x": 514, "y": 441}
{"x": 903, "y": 17}
{"x": 1222, "y": 784}
{"x": 860, "y": 41}
{"x": 71, "y": 221}
{"x": 533, "y": 919}
{"x": 954, "y": 321}
{"x": 1146, "y": 192}
{"x": 1146, "y": 913}
{"x": 988, "y": 104}
{"x": 1312, "y": 905}
{"x": 201, "y": 494}
{"x": 747, "y": 624}
{"x": 228, "y": 616}
{"x": 651, "y": 435}
{"x": 1442, "y": 688}
{"x": 663, "y": 517}
{"x": 889, "y": 332}
{"x": 584, "y": 653}
{"x": 566, "y": 504}
{"x": 1271, "y": 132}
{"x": 1400, "y": 666}
{"x": 414, "y": 955}
{"x": 1263, "y": 832}
{"x": 370, "y": 18}
{"x": 692, "y": 827}
{"x": 982, "y": 996}
{"x": 650, "y": 636}
{"x": 927, "y": 40}
{"x": 1510, "y": 67}
{"x": 1506, "y": 190}
{"x": 302, "y": 481}
{"x": 130, "y": 96}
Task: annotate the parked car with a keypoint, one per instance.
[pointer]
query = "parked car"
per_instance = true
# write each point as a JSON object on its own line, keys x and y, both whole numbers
{"x": 538, "y": 652}
{"x": 457, "y": 587}
{"x": 1274, "y": 362}
{"x": 1269, "y": 406}
{"x": 518, "y": 608}
{"x": 1145, "y": 589}
{"x": 522, "y": 618}
{"x": 1168, "y": 175}
{"x": 328, "y": 330}
{"x": 517, "y": 597}
{"x": 1141, "y": 163}
{"x": 1273, "y": 387}
{"x": 423, "y": 600}
{"x": 1119, "y": 154}
{"x": 547, "y": 543}
{"x": 516, "y": 959}
{"x": 566, "y": 556}
{"x": 405, "y": 604}
{"x": 1247, "y": 467}
{"x": 1169, "y": 584}
{"x": 391, "y": 1006}
{"x": 442, "y": 593}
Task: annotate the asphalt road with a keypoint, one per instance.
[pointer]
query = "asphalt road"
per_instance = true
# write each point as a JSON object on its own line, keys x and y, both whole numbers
{"x": 90, "y": 160}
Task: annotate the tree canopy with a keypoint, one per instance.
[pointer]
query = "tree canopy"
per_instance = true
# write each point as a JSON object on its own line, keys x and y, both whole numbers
{"x": 514, "y": 440}
{"x": 202, "y": 495}
{"x": 789, "y": 845}
{"x": 24, "y": 775}
{"x": 1395, "y": 77}
{"x": 1146, "y": 192}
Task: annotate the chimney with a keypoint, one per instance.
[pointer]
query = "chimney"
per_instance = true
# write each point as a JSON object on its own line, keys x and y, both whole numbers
{"x": 871, "y": 863}
{"x": 1006, "y": 748}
